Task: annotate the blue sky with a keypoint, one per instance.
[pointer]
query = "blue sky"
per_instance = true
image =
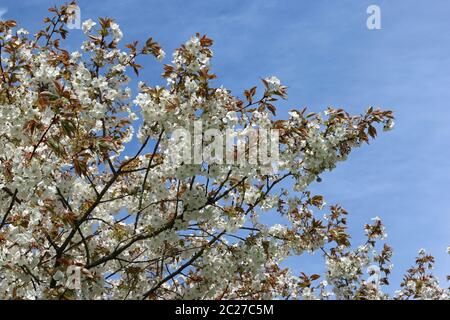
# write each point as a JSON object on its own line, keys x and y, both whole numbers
{"x": 324, "y": 53}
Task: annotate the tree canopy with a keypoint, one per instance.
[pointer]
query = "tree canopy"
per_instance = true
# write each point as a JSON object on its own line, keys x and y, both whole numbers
{"x": 97, "y": 201}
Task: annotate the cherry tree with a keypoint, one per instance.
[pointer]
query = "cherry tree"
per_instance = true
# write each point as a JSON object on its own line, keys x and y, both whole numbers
{"x": 97, "y": 202}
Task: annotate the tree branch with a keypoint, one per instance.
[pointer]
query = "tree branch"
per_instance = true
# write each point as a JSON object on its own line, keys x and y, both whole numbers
{"x": 11, "y": 205}
{"x": 182, "y": 267}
